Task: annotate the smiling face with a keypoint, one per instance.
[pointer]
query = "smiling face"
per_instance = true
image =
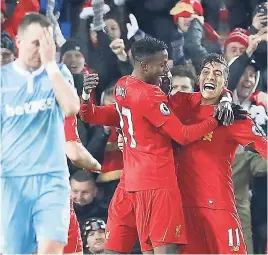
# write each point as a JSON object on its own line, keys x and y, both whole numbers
{"x": 96, "y": 240}
{"x": 212, "y": 80}
{"x": 156, "y": 66}
{"x": 83, "y": 193}
{"x": 184, "y": 23}
{"x": 246, "y": 83}
{"x": 113, "y": 29}
{"x": 234, "y": 49}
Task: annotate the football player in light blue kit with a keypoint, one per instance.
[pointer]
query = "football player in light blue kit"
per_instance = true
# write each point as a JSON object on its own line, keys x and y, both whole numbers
{"x": 36, "y": 94}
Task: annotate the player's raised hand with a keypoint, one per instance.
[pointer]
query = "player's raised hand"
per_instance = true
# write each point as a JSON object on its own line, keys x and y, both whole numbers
{"x": 91, "y": 81}
{"x": 47, "y": 47}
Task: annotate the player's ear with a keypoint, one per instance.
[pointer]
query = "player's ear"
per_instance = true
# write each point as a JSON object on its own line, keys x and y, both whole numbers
{"x": 144, "y": 66}
{"x": 17, "y": 41}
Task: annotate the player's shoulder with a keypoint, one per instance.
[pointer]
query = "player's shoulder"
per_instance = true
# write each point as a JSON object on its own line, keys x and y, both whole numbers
{"x": 130, "y": 87}
{"x": 246, "y": 125}
{"x": 189, "y": 96}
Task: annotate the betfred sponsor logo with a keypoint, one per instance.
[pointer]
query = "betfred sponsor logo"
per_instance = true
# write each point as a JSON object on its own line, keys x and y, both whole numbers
{"x": 30, "y": 107}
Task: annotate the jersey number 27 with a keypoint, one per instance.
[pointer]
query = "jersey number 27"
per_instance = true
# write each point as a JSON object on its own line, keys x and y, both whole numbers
{"x": 125, "y": 114}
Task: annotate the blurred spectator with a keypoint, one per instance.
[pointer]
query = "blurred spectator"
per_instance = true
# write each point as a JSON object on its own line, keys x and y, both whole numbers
{"x": 200, "y": 39}
{"x": 8, "y": 50}
{"x": 153, "y": 17}
{"x": 84, "y": 193}
{"x": 21, "y": 9}
{"x": 259, "y": 23}
{"x": 211, "y": 12}
{"x": 87, "y": 9}
{"x": 101, "y": 58}
{"x": 253, "y": 101}
{"x": 183, "y": 80}
{"x": 93, "y": 236}
{"x": 112, "y": 163}
{"x": 73, "y": 54}
{"x": 236, "y": 43}
{"x": 112, "y": 28}
{"x": 240, "y": 12}
{"x": 246, "y": 166}
{"x": 3, "y": 13}
{"x": 182, "y": 16}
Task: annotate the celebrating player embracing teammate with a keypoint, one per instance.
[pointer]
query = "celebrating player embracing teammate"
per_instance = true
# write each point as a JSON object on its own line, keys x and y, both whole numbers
{"x": 147, "y": 200}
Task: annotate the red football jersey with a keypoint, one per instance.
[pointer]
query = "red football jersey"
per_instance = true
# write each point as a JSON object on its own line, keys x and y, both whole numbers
{"x": 148, "y": 154}
{"x": 204, "y": 167}
{"x": 147, "y": 126}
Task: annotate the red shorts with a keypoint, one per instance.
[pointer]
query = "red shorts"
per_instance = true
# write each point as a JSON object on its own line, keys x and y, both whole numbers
{"x": 74, "y": 236}
{"x": 156, "y": 216}
{"x": 213, "y": 232}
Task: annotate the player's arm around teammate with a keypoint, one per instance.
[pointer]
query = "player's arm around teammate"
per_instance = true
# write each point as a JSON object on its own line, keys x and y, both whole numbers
{"x": 65, "y": 94}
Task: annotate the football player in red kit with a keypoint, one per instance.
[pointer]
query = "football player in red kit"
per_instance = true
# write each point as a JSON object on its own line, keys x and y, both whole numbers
{"x": 82, "y": 158}
{"x": 147, "y": 200}
{"x": 204, "y": 167}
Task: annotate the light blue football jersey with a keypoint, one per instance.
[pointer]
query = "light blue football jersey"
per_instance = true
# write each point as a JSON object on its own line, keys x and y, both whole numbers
{"x": 32, "y": 123}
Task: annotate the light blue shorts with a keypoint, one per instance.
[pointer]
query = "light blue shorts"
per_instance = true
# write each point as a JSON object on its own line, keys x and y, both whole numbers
{"x": 33, "y": 209}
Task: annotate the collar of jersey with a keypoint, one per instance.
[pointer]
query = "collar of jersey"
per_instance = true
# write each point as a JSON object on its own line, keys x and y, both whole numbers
{"x": 27, "y": 73}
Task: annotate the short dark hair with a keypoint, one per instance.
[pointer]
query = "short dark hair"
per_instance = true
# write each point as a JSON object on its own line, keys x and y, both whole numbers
{"x": 183, "y": 71}
{"x": 32, "y": 18}
{"x": 214, "y": 57}
{"x": 83, "y": 176}
{"x": 145, "y": 48}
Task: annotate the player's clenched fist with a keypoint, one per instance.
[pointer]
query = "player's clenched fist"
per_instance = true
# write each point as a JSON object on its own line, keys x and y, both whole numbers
{"x": 91, "y": 81}
{"x": 47, "y": 47}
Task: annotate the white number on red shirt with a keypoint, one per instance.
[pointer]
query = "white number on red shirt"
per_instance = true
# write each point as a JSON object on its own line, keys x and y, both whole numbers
{"x": 127, "y": 113}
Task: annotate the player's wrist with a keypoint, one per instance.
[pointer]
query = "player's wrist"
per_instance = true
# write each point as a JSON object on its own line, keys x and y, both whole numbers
{"x": 52, "y": 67}
{"x": 86, "y": 96}
{"x": 226, "y": 99}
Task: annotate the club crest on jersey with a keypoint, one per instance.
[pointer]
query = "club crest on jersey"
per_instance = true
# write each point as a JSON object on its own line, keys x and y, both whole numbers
{"x": 235, "y": 248}
{"x": 120, "y": 92}
{"x": 208, "y": 137}
{"x": 107, "y": 235}
{"x": 164, "y": 109}
{"x": 256, "y": 131}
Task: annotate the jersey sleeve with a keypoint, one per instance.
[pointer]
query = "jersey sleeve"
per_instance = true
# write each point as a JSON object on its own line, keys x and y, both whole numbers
{"x": 180, "y": 100}
{"x": 154, "y": 106}
{"x": 70, "y": 129}
{"x": 99, "y": 115}
{"x": 67, "y": 75}
{"x": 246, "y": 133}
{"x": 158, "y": 113}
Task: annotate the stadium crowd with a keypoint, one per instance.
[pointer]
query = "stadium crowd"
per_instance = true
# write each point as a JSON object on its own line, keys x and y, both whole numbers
{"x": 94, "y": 37}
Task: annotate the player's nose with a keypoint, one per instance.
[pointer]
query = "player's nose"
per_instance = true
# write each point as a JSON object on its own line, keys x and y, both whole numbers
{"x": 211, "y": 76}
